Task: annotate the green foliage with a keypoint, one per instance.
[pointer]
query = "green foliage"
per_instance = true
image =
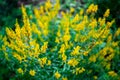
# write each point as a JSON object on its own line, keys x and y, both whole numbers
{"x": 9, "y": 11}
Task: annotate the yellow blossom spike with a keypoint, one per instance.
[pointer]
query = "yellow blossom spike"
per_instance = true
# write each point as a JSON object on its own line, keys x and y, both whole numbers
{"x": 92, "y": 9}
{"x": 107, "y": 12}
{"x": 44, "y": 47}
{"x": 72, "y": 10}
{"x": 48, "y": 5}
{"x": 64, "y": 57}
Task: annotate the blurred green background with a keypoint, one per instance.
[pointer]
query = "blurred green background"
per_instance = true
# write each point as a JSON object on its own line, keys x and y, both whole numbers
{"x": 9, "y": 11}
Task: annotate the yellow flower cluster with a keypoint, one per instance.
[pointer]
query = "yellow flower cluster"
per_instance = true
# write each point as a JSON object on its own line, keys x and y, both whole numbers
{"x": 44, "y": 47}
{"x": 73, "y": 62}
{"x": 92, "y": 8}
{"x": 43, "y": 61}
{"x": 75, "y": 51}
{"x": 78, "y": 71}
{"x": 112, "y": 73}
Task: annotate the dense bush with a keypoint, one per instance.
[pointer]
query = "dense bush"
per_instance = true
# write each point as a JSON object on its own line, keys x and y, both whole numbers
{"x": 59, "y": 45}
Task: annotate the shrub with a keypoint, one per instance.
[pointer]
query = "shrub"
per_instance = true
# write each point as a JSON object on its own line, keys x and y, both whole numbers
{"x": 58, "y": 45}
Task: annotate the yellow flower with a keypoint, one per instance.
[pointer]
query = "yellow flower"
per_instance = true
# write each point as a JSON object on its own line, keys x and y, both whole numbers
{"x": 95, "y": 77}
{"x": 40, "y": 24}
{"x": 19, "y": 70}
{"x": 78, "y": 70}
{"x": 10, "y": 33}
{"x": 109, "y": 24}
{"x": 57, "y": 40}
{"x": 3, "y": 47}
{"x": 17, "y": 56}
{"x": 112, "y": 73}
{"x": 95, "y": 8}
{"x": 57, "y": 5}
{"x": 76, "y": 18}
{"x": 107, "y": 12}
{"x": 64, "y": 57}
{"x": 58, "y": 33}
{"x": 75, "y": 51}
{"x": 72, "y": 10}
{"x": 73, "y": 62}
{"x": 81, "y": 12}
{"x": 92, "y": 8}
{"x": 44, "y": 47}
{"x": 85, "y": 53}
{"x": 32, "y": 72}
{"x": 62, "y": 49}
{"x": 42, "y": 61}
{"x": 64, "y": 78}
{"x": 117, "y": 33}
{"x": 49, "y": 63}
{"x": 109, "y": 38}
{"x": 114, "y": 44}
{"x": 18, "y": 30}
{"x": 57, "y": 75}
{"x": 110, "y": 57}
{"x": 48, "y": 4}
{"x": 66, "y": 38}
{"x": 82, "y": 70}
{"x": 108, "y": 65}
{"x": 80, "y": 26}
{"x": 92, "y": 58}
{"x": 93, "y": 23}
{"x": 41, "y": 11}
{"x": 101, "y": 21}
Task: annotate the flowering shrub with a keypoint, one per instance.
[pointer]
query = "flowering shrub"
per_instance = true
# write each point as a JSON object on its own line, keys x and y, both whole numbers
{"x": 59, "y": 45}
